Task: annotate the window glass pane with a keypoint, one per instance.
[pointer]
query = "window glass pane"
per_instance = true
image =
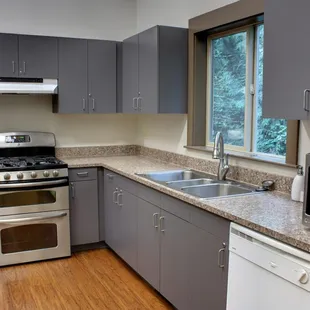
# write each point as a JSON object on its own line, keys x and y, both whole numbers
{"x": 228, "y": 82}
{"x": 270, "y": 133}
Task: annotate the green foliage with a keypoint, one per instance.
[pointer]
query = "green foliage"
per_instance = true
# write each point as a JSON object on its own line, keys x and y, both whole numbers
{"x": 229, "y": 61}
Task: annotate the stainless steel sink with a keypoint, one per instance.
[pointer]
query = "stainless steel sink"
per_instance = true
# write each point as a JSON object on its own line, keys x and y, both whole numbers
{"x": 186, "y": 183}
{"x": 216, "y": 190}
{"x": 175, "y": 175}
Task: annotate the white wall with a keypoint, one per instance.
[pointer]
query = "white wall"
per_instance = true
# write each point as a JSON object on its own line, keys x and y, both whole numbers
{"x": 101, "y": 19}
{"x": 35, "y": 113}
{"x": 170, "y": 132}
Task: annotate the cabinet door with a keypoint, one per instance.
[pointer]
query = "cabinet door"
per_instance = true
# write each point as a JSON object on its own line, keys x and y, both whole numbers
{"x": 38, "y": 57}
{"x": 174, "y": 260}
{"x": 148, "y": 71}
{"x": 110, "y": 220}
{"x": 72, "y": 89}
{"x": 208, "y": 270}
{"x": 148, "y": 242}
{"x": 286, "y": 59}
{"x": 127, "y": 229}
{"x": 84, "y": 223}
{"x": 102, "y": 76}
{"x": 130, "y": 74}
{"x": 8, "y": 55}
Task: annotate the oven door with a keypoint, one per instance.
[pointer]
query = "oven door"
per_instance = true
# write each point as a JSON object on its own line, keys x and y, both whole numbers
{"x": 26, "y": 197}
{"x": 34, "y": 236}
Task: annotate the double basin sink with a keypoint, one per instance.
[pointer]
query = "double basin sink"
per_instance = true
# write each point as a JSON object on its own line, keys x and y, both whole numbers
{"x": 198, "y": 184}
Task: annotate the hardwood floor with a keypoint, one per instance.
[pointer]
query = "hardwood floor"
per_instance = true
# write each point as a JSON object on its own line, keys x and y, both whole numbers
{"x": 95, "y": 279}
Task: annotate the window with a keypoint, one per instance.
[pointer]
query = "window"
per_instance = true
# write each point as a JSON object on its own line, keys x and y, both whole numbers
{"x": 235, "y": 94}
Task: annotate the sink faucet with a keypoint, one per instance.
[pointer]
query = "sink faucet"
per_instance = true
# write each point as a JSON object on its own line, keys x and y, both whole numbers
{"x": 218, "y": 153}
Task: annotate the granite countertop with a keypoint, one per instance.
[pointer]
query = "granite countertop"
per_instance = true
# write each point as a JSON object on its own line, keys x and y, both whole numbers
{"x": 272, "y": 214}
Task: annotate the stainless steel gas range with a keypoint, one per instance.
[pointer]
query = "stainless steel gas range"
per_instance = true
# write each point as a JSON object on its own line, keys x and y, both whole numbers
{"x": 34, "y": 199}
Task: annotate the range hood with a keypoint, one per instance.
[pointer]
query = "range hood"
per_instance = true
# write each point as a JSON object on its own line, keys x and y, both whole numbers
{"x": 28, "y": 86}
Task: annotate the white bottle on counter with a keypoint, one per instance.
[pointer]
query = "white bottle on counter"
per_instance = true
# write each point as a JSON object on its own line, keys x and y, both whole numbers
{"x": 298, "y": 185}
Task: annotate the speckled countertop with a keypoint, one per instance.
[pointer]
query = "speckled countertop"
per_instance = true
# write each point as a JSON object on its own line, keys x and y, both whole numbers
{"x": 272, "y": 214}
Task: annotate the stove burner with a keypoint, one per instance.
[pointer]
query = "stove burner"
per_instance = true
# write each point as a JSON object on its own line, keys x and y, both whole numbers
{"x": 24, "y": 162}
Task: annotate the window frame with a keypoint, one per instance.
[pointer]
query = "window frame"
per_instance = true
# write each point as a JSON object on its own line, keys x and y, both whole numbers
{"x": 243, "y": 13}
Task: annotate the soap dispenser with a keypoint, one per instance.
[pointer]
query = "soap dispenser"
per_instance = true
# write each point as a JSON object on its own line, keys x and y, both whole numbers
{"x": 298, "y": 184}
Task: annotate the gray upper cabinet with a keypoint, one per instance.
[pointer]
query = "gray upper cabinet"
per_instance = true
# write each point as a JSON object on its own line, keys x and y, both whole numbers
{"x": 101, "y": 76}
{"x": 155, "y": 71}
{"x": 130, "y": 73}
{"x": 38, "y": 57}
{"x": 87, "y": 76}
{"x": 286, "y": 60}
{"x": 72, "y": 89}
{"x": 148, "y": 242}
{"x": 8, "y": 55}
{"x": 84, "y": 219}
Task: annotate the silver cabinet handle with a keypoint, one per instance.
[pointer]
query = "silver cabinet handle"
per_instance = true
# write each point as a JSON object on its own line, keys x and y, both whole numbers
{"x": 84, "y": 104}
{"x": 135, "y": 103}
{"x": 33, "y": 218}
{"x": 93, "y": 100}
{"x": 155, "y": 220}
{"x": 115, "y": 193}
{"x": 120, "y": 198}
{"x": 221, "y": 257}
{"x": 161, "y": 223}
{"x": 306, "y": 101}
{"x": 13, "y": 66}
{"x": 72, "y": 191}
{"x": 139, "y": 105}
{"x": 82, "y": 174}
{"x": 24, "y": 67}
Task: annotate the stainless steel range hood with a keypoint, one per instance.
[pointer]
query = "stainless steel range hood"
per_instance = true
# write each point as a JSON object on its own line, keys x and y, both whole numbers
{"x": 28, "y": 86}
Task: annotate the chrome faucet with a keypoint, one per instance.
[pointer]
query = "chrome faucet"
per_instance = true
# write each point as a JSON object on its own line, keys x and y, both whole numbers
{"x": 218, "y": 153}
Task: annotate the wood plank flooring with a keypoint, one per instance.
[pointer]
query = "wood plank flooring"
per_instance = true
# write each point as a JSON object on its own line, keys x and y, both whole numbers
{"x": 95, "y": 279}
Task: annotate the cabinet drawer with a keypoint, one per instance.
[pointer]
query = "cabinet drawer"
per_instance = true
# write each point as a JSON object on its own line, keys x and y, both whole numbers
{"x": 82, "y": 174}
{"x": 211, "y": 223}
{"x": 176, "y": 207}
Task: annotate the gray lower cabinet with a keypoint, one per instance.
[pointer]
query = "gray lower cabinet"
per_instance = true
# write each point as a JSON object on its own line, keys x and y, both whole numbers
{"x": 286, "y": 62}
{"x": 84, "y": 217}
{"x": 148, "y": 242}
{"x": 8, "y": 55}
{"x": 155, "y": 71}
{"x": 175, "y": 264}
{"x": 72, "y": 89}
{"x": 38, "y": 57}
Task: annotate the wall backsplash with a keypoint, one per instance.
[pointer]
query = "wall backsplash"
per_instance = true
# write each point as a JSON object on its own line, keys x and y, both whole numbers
{"x": 34, "y": 113}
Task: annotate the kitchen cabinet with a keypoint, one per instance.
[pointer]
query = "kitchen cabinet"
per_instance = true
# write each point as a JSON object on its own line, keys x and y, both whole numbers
{"x": 87, "y": 77}
{"x": 155, "y": 71}
{"x": 28, "y": 56}
{"x": 178, "y": 249}
{"x": 174, "y": 260}
{"x": 84, "y": 219}
{"x": 8, "y": 55}
{"x": 148, "y": 242}
{"x": 286, "y": 60}
{"x": 38, "y": 57}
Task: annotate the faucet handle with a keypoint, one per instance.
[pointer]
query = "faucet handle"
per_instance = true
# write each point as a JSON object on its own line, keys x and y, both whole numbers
{"x": 226, "y": 157}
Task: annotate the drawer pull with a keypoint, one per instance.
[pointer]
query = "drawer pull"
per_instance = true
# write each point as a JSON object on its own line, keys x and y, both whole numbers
{"x": 82, "y": 174}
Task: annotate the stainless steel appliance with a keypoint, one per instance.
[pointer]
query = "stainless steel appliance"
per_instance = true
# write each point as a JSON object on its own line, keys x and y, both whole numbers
{"x": 306, "y": 209}
{"x": 34, "y": 199}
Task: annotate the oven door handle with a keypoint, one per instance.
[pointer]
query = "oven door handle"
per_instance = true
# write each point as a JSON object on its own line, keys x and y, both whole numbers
{"x": 33, "y": 184}
{"x": 33, "y": 219}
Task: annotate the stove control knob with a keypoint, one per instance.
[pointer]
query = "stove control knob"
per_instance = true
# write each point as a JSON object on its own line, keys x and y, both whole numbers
{"x": 20, "y": 175}
{"x": 7, "y": 176}
{"x": 46, "y": 173}
{"x": 34, "y": 174}
{"x": 55, "y": 173}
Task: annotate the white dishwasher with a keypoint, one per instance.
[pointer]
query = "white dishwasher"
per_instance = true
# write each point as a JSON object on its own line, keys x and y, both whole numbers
{"x": 265, "y": 274}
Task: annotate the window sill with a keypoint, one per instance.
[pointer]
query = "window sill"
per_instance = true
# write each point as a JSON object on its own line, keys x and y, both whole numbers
{"x": 243, "y": 155}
